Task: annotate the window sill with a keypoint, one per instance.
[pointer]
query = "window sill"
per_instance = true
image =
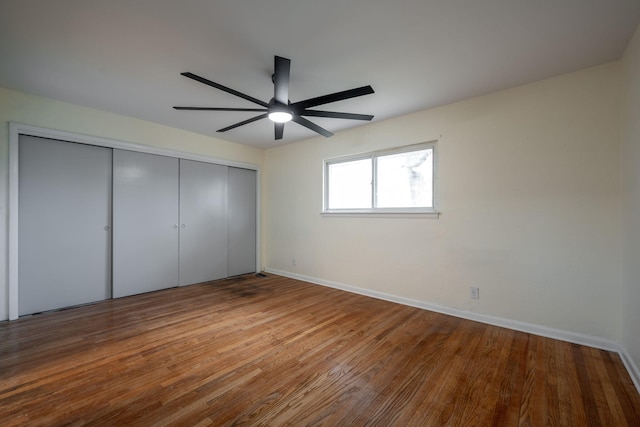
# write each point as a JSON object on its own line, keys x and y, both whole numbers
{"x": 381, "y": 214}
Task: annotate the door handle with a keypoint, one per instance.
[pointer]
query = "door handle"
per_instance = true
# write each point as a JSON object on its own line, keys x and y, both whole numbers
{"x": 182, "y": 226}
{"x": 175, "y": 226}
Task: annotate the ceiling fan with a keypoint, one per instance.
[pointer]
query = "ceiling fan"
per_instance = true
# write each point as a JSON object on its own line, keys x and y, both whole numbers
{"x": 280, "y": 109}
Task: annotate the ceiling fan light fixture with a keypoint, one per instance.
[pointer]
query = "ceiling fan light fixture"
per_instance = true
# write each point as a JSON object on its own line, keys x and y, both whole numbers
{"x": 279, "y": 109}
{"x": 280, "y": 116}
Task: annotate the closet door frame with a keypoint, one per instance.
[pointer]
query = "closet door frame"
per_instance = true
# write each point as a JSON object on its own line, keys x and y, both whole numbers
{"x": 17, "y": 129}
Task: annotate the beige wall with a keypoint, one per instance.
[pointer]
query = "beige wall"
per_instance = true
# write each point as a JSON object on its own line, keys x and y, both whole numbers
{"x": 47, "y": 113}
{"x": 529, "y": 194}
{"x": 631, "y": 197}
{"x": 530, "y": 201}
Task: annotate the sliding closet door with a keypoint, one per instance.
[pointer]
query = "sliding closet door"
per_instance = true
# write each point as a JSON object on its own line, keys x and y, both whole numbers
{"x": 242, "y": 221}
{"x": 203, "y": 222}
{"x": 64, "y": 224}
{"x": 145, "y": 222}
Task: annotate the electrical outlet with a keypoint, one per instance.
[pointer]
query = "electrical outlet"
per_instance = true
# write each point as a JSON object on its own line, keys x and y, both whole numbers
{"x": 293, "y": 262}
{"x": 475, "y": 292}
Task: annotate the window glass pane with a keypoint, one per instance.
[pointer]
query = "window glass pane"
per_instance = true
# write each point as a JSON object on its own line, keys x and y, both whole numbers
{"x": 350, "y": 185}
{"x": 405, "y": 180}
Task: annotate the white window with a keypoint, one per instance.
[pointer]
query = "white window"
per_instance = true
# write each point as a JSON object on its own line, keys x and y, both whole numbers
{"x": 400, "y": 180}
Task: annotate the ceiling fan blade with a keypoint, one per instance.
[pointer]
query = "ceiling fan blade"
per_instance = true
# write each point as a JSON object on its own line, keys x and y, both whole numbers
{"x": 310, "y": 125}
{"x": 225, "y": 89}
{"x": 218, "y": 109}
{"x": 279, "y": 130}
{"x": 336, "y": 115}
{"x": 333, "y": 97}
{"x": 282, "y": 69}
{"x": 244, "y": 122}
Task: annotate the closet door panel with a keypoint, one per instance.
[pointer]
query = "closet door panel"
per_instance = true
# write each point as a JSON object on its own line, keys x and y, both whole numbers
{"x": 64, "y": 218}
{"x": 203, "y": 222}
{"x": 145, "y": 222}
{"x": 242, "y": 221}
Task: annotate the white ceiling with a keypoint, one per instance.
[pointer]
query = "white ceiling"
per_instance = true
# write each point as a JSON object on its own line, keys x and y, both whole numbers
{"x": 126, "y": 56}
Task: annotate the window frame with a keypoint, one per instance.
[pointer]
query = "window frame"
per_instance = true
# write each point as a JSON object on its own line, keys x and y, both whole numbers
{"x": 374, "y": 211}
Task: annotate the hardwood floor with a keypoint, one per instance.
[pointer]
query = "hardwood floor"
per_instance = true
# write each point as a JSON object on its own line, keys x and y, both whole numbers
{"x": 276, "y": 351}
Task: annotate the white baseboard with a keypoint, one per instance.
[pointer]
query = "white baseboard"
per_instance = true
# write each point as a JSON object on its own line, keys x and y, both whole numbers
{"x": 632, "y": 368}
{"x": 559, "y": 334}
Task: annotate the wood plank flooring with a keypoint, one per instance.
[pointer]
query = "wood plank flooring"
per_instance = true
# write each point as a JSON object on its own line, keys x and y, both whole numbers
{"x": 275, "y": 351}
